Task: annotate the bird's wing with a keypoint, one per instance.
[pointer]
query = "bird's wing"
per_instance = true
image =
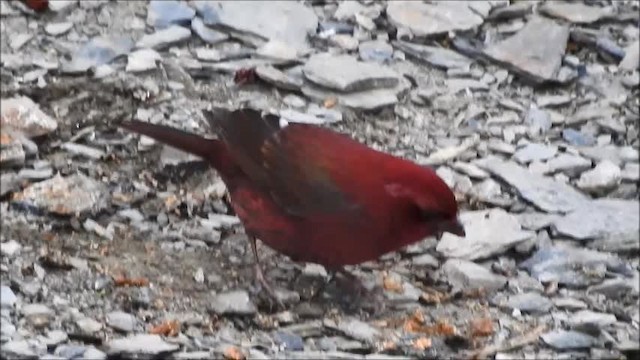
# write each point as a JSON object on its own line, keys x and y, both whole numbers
{"x": 295, "y": 163}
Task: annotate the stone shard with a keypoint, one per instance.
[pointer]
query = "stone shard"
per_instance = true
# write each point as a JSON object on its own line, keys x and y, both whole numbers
{"x": 608, "y": 220}
{"x": 425, "y": 19}
{"x": 345, "y": 73}
{"x": 287, "y": 21}
{"x": 489, "y": 232}
{"x": 535, "y": 52}
{"x": 545, "y": 193}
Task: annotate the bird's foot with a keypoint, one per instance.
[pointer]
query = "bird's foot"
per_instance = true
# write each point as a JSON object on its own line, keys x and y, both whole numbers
{"x": 367, "y": 297}
{"x": 262, "y": 284}
{"x": 260, "y": 280}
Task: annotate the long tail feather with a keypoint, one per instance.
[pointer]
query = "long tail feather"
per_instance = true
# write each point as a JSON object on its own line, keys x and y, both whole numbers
{"x": 209, "y": 149}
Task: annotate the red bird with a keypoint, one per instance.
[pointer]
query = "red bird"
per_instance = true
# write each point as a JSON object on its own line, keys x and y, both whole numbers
{"x": 37, "y": 5}
{"x": 313, "y": 194}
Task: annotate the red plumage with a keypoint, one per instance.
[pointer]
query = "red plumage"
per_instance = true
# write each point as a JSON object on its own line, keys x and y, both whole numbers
{"x": 316, "y": 195}
{"x": 37, "y": 5}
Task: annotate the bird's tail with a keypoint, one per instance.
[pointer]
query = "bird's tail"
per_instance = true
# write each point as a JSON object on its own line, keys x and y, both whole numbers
{"x": 209, "y": 149}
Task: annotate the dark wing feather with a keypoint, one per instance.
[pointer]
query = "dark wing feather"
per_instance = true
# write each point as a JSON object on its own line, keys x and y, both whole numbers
{"x": 291, "y": 169}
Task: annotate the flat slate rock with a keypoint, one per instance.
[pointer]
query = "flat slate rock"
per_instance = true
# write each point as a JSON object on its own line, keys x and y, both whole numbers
{"x": 536, "y": 220}
{"x": 615, "y": 288}
{"x": 208, "y": 35}
{"x": 278, "y": 50}
{"x": 7, "y": 298}
{"x": 232, "y": 66}
{"x": 616, "y": 154}
{"x": 97, "y": 51}
{"x": 356, "y": 329}
{"x": 294, "y": 116}
{"x": 139, "y": 345}
{"x": 163, "y": 13}
{"x": 534, "y": 152}
{"x": 553, "y": 100}
{"x": 278, "y": 78}
{"x": 70, "y": 195}
{"x": 12, "y": 151}
{"x": 608, "y": 220}
{"x": 60, "y": 28}
{"x": 347, "y": 10}
{"x": 121, "y": 321}
{"x": 360, "y": 100}
{"x": 287, "y": 21}
{"x": 23, "y": 349}
{"x": 345, "y": 73}
{"x": 568, "y": 340}
{"x": 631, "y": 60}
{"x": 614, "y": 244}
{"x": 470, "y": 170}
{"x": 25, "y": 116}
{"x": 575, "y": 267}
{"x": 569, "y": 164}
{"x": 515, "y": 10}
{"x": 576, "y": 13}
{"x": 424, "y": 19}
{"x": 528, "y": 302}
{"x": 464, "y": 275}
{"x": 601, "y": 179}
{"x": 375, "y": 50}
{"x": 534, "y": 52}
{"x": 543, "y": 192}
{"x": 454, "y": 86}
{"x": 489, "y": 232}
{"x": 236, "y": 302}
{"x": 590, "y": 321}
{"x": 436, "y": 56}
{"x": 165, "y": 37}
{"x": 569, "y": 303}
{"x": 143, "y": 60}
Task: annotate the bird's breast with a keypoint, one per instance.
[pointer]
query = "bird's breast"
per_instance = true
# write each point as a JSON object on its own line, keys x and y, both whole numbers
{"x": 373, "y": 228}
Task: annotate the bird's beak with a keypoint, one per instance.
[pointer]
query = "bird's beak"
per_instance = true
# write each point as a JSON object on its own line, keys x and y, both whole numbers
{"x": 454, "y": 227}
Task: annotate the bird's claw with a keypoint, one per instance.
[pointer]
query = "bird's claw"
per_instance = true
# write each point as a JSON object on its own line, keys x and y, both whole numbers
{"x": 262, "y": 284}
{"x": 373, "y": 298}
{"x": 261, "y": 281}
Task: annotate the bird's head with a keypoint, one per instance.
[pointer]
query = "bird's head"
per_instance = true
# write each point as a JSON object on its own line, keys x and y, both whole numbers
{"x": 429, "y": 197}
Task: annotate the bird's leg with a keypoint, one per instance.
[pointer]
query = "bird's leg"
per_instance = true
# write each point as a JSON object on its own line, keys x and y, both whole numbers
{"x": 259, "y": 274}
{"x": 331, "y": 275}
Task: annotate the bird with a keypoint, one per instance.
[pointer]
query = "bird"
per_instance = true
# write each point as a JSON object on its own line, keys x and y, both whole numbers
{"x": 37, "y": 5}
{"x": 314, "y": 194}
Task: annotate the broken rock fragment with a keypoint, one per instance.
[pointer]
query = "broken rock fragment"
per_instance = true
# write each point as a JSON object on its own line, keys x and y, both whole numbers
{"x": 23, "y": 115}
{"x": 534, "y": 52}
{"x": 70, "y": 195}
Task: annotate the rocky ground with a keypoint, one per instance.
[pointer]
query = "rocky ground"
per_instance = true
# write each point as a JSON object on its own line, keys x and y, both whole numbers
{"x": 116, "y": 247}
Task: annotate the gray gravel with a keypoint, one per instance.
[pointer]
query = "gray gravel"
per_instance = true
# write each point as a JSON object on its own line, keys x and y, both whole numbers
{"x": 115, "y": 247}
